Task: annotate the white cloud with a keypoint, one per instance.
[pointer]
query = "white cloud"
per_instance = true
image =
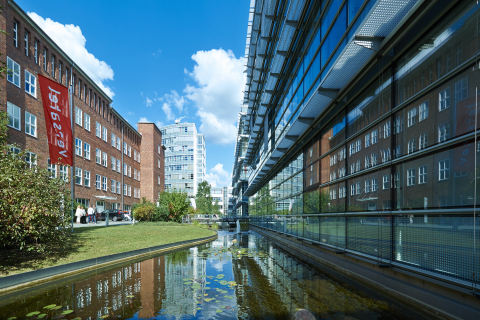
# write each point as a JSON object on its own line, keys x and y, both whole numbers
{"x": 143, "y": 119}
{"x": 168, "y": 111}
{"x": 70, "y": 38}
{"x": 149, "y": 102}
{"x": 159, "y": 124}
{"x": 217, "y": 93}
{"x": 157, "y": 53}
{"x": 218, "y": 177}
{"x": 174, "y": 99}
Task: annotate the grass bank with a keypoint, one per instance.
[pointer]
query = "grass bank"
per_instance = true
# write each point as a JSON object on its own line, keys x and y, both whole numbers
{"x": 91, "y": 242}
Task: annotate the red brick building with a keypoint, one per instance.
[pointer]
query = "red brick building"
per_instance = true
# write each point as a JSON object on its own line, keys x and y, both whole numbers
{"x": 108, "y": 158}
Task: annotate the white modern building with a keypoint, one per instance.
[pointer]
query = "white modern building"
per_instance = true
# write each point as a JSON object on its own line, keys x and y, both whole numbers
{"x": 185, "y": 157}
{"x": 224, "y": 197}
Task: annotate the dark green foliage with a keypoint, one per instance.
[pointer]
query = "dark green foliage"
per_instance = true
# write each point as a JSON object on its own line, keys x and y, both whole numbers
{"x": 203, "y": 200}
{"x": 172, "y": 207}
{"x": 32, "y": 211}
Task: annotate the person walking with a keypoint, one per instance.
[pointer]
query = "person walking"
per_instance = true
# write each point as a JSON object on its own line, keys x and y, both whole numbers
{"x": 78, "y": 213}
{"x": 91, "y": 215}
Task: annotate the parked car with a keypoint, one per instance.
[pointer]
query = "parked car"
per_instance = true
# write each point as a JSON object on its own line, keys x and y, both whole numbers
{"x": 113, "y": 214}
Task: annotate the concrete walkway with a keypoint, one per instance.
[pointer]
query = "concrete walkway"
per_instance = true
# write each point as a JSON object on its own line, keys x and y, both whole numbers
{"x": 101, "y": 224}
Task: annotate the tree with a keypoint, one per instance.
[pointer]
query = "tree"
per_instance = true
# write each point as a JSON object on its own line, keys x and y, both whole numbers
{"x": 216, "y": 208}
{"x": 204, "y": 199}
{"x": 34, "y": 208}
{"x": 176, "y": 203}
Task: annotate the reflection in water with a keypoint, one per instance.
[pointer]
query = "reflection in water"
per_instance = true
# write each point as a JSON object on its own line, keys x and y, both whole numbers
{"x": 238, "y": 276}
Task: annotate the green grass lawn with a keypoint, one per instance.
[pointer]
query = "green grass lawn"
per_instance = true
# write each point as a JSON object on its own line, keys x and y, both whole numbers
{"x": 92, "y": 242}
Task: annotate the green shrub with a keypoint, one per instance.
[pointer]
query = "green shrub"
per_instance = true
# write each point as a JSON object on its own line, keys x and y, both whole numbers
{"x": 215, "y": 226}
{"x": 196, "y": 223}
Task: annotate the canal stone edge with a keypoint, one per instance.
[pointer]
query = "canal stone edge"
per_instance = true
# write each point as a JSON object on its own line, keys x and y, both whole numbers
{"x": 35, "y": 277}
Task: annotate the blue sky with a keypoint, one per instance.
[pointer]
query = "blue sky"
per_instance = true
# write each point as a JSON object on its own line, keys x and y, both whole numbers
{"x": 160, "y": 60}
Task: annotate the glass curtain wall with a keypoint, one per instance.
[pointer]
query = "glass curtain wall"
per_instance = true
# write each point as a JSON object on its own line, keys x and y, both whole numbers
{"x": 393, "y": 174}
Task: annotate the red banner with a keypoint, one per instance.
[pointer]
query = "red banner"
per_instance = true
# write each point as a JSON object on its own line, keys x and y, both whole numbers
{"x": 57, "y": 119}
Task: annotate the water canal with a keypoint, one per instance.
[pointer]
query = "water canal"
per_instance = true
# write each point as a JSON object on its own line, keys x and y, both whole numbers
{"x": 238, "y": 276}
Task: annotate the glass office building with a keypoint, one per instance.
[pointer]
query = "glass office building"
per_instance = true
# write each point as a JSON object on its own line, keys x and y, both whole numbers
{"x": 362, "y": 129}
{"x": 185, "y": 157}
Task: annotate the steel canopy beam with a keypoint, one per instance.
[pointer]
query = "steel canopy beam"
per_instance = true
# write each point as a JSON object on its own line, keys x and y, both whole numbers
{"x": 327, "y": 92}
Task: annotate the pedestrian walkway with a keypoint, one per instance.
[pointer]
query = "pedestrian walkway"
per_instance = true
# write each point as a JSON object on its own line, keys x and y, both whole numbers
{"x": 102, "y": 224}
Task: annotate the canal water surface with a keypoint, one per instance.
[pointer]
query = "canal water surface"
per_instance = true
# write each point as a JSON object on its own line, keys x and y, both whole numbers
{"x": 238, "y": 276}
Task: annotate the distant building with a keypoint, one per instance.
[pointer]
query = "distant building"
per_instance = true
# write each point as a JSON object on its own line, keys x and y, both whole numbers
{"x": 185, "y": 157}
{"x": 224, "y": 197}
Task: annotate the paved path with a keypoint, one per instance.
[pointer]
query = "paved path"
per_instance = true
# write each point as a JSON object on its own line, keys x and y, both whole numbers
{"x": 101, "y": 224}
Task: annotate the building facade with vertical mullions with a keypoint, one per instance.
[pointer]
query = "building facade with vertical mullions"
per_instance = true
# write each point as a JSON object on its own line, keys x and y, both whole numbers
{"x": 185, "y": 157}
{"x": 362, "y": 129}
{"x": 107, "y": 149}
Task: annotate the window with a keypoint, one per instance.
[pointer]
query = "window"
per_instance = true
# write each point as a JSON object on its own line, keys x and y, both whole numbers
{"x": 52, "y": 169}
{"x": 45, "y": 59}
{"x": 124, "y": 189}
{"x": 422, "y": 174}
{"x": 398, "y": 125}
{"x": 411, "y": 177}
{"x": 134, "y": 174}
{"x": 104, "y": 134}
{"x": 130, "y": 151}
{"x": 311, "y": 152}
{"x": 367, "y": 140}
{"x": 158, "y": 149}
{"x": 78, "y": 116}
{"x": 14, "y": 116}
{"x": 158, "y": 163}
{"x": 396, "y": 180}
{"x": 411, "y": 146}
{"x": 444, "y": 99}
{"x": 31, "y": 159}
{"x": 52, "y": 69}
{"x": 374, "y": 159}
{"x": 113, "y": 162}
{"x": 423, "y": 111}
{"x": 113, "y": 184}
{"x": 386, "y": 182}
{"x": 26, "y": 42}
{"x": 13, "y": 74}
{"x": 86, "y": 178}
{"x": 423, "y": 141}
{"x": 86, "y": 149}
{"x": 86, "y": 122}
{"x": 59, "y": 72}
{"x": 386, "y": 129}
{"x": 78, "y": 176}
{"x": 118, "y": 166}
{"x": 443, "y": 132}
{"x": 367, "y": 162}
{"x": 84, "y": 93}
{"x": 443, "y": 169}
{"x": 352, "y": 148}
{"x": 374, "y": 136}
{"x": 367, "y": 186}
{"x": 461, "y": 89}
{"x": 358, "y": 188}
{"x": 118, "y": 143}
{"x": 129, "y": 171}
{"x": 63, "y": 172}
{"x": 386, "y": 155}
{"x": 358, "y": 166}
{"x": 98, "y": 156}
{"x": 30, "y": 124}
{"x": 15, "y": 33}
{"x": 352, "y": 190}
{"x": 98, "y": 129}
{"x": 158, "y": 180}
{"x": 112, "y": 138}
{"x": 374, "y": 184}
{"x": 129, "y": 191}
{"x": 30, "y": 84}
{"x": 119, "y": 190}
{"x": 125, "y": 148}
{"x": 35, "y": 50}
{"x": 358, "y": 145}
{"x": 104, "y": 183}
{"x": 124, "y": 169}
{"x": 412, "y": 116}
{"x": 104, "y": 159}
{"x": 78, "y": 147}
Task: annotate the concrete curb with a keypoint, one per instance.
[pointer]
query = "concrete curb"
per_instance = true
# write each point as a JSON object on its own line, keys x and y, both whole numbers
{"x": 21, "y": 280}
